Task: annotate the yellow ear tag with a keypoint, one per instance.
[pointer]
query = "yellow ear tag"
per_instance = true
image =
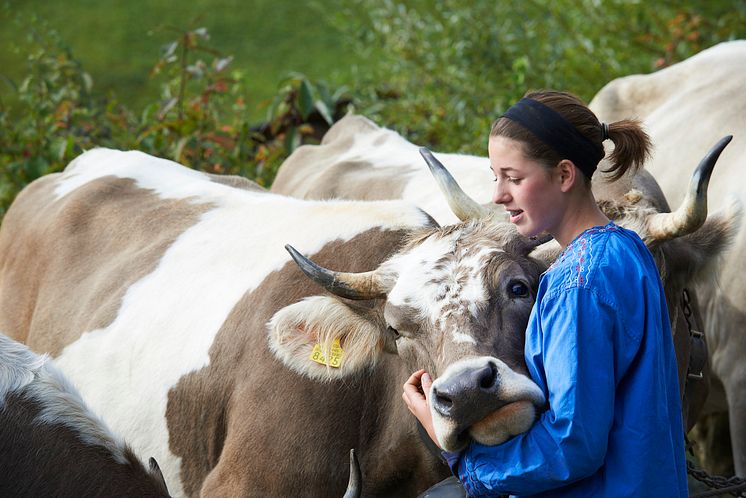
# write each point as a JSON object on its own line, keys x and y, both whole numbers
{"x": 336, "y": 355}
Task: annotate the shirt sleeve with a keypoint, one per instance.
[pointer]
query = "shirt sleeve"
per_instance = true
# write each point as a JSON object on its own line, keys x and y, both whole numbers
{"x": 570, "y": 350}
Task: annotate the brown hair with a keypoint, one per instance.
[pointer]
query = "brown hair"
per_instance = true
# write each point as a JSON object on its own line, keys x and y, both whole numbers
{"x": 631, "y": 144}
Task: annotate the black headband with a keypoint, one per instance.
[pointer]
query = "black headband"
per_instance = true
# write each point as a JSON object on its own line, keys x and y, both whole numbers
{"x": 554, "y": 131}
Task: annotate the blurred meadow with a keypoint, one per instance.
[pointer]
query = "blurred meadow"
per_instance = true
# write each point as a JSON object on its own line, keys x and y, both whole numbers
{"x": 118, "y": 42}
{"x": 234, "y": 87}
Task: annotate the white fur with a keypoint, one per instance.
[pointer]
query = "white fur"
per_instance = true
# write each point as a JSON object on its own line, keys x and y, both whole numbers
{"x": 169, "y": 318}
{"x": 18, "y": 366}
{"x": 461, "y": 338}
{"x": 432, "y": 291}
{"x": 381, "y": 147}
{"x": 35, "y": 377}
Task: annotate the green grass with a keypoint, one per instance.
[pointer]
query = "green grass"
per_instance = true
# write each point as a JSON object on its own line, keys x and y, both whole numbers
{"x": 118, "y": 42}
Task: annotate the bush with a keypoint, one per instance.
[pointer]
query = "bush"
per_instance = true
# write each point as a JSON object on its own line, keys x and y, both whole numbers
{"x": 200, "y": 120}
{"x": 52, "y": 116}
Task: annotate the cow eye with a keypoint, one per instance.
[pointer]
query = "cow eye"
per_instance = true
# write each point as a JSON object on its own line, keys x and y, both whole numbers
{"x": 394, "y": 332}
{"x": 518, "y": 289}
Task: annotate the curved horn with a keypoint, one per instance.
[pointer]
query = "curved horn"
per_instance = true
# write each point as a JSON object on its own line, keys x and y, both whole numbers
{"x": 693, "y": 211}
{"x": 354, "y": 488}
{"x": 463, "y": 206}
{"x": 366, "y": 285}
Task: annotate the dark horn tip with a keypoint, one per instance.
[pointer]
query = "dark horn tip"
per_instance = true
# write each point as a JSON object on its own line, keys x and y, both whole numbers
{"x": 306, "y": 265}
{"x": 354, "y": 484}
{"x": 293, "y": 252}
{"x": 436, "y": 167}
{"x": 721, "y": 144}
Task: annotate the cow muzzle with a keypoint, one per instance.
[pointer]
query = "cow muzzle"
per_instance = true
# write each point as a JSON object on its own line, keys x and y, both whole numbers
{"x": 482, "y": 399}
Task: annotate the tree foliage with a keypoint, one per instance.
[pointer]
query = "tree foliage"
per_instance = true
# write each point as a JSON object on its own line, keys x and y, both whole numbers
{"x": 441, "y": 72}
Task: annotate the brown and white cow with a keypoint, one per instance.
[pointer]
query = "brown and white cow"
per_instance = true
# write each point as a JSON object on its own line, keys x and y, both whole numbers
{"x": 684, "y": 108}
{"x": 169, "y": 299}
{"x": 52, "y": 444}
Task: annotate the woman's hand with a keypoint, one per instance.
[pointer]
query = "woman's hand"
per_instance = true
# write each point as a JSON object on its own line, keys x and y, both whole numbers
{"x": 415, "y": 395}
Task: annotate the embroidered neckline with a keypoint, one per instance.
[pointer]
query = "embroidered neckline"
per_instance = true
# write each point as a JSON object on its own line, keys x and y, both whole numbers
{"x": 580, "y": 239}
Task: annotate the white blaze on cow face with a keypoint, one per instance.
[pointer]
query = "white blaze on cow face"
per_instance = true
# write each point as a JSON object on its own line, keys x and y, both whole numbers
{"x": 437, "y": 285}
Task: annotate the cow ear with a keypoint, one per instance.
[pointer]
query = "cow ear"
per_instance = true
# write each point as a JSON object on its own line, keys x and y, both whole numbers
{"x": 323, "y": 338}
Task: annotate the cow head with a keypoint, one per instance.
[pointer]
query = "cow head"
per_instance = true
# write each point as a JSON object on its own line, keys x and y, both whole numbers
{"x": 453, "y": 300}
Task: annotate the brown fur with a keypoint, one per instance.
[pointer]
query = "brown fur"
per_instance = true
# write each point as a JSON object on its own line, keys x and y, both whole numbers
{"x": 328, "y": 182}
{"x": 41, "y": 273}
{"x": 50, "y": 460}
{"x": 226, "y": 441}
{"x": 66, "y": 266}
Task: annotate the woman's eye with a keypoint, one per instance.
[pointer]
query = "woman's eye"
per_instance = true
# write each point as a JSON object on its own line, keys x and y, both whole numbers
{"x": 514, "y": 180}
{"x": 394, "y": 332}
{"x": 518, "y": 289}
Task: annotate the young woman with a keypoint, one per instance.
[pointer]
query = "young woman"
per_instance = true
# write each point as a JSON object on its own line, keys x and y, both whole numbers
{"x": 598, "y": 342}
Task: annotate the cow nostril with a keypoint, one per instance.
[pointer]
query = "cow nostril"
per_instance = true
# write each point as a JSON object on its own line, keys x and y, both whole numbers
{"x": 442, "y": 400}
{"x": 488, "y": 377}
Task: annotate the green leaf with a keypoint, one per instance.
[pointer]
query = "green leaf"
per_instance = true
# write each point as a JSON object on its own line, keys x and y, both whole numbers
{"x": 34, "y": 167}
{"x": 292, "y": 140}
{"x": 179, "y": 149}
{"x": 324, "y": 111}
{"x": 305, "y": 103}
{"x": 59, "y": 147}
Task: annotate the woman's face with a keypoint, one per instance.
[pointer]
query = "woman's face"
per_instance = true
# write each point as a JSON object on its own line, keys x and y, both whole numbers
{"x": 529, "y": 191}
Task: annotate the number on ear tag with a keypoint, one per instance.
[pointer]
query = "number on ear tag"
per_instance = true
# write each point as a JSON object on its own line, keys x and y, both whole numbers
{"x": 336, "y": 355}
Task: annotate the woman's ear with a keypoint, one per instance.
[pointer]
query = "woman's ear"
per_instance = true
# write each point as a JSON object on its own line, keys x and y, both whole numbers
{"x": 567, "y": 174}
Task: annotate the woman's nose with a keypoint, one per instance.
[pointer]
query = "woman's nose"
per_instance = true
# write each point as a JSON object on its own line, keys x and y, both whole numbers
{"x": 500, "y": 195}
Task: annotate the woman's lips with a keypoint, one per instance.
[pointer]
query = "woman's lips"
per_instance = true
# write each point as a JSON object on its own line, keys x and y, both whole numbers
{"x": 515, "y": 215}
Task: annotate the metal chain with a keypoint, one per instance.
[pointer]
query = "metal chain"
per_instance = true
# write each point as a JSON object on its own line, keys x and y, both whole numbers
{"x": 721, "y": 485}
{"x": 687, "y": 309}
{"x": 698, "y": 353}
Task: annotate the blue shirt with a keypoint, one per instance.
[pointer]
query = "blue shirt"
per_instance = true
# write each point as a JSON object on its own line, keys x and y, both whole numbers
{"x": 599, "y": 345}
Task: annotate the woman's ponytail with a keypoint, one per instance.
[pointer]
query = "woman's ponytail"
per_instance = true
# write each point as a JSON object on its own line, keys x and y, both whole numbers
{"x": 632, "y": 146}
